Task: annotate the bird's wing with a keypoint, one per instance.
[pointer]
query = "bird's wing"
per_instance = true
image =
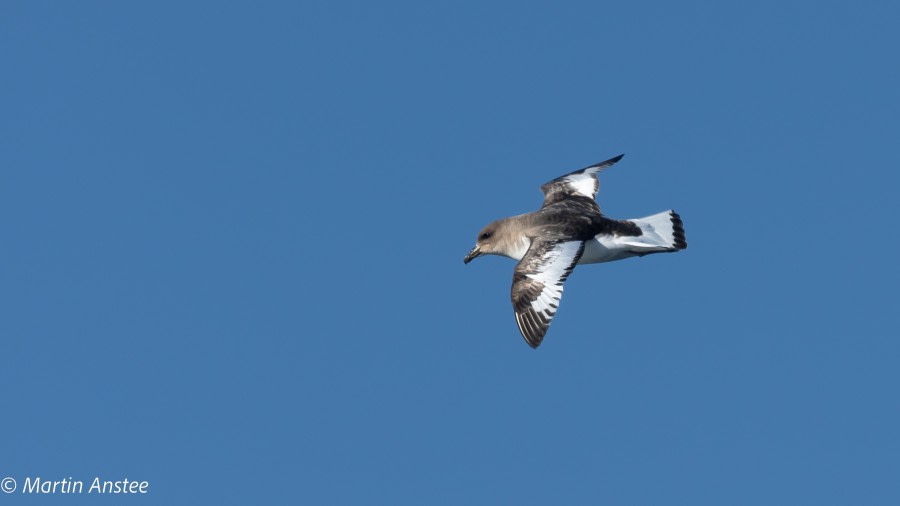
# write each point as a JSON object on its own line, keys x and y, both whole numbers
{"x": 582, "y": 183}
{"x": 538, "y": 285}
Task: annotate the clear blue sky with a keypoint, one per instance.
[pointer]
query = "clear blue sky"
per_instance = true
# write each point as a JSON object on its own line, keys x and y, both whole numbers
{"x": 232, "y": 242}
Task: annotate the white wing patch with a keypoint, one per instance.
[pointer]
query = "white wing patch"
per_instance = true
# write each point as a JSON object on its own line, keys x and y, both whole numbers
{"x": 583, "y": 183}
{"x": 538, "y": 285}
{"x": 555, "y": 261}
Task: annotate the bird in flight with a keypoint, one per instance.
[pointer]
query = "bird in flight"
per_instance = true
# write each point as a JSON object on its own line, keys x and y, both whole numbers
{"x": 568, "y": 230}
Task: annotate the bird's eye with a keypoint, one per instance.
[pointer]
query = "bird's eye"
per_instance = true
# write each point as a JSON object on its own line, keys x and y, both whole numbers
{"x": 486, "y": 235}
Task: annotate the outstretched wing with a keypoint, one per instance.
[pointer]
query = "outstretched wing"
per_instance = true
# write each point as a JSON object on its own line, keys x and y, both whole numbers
{"x": 582, "y": 183}
{"x": 538, "y": 285}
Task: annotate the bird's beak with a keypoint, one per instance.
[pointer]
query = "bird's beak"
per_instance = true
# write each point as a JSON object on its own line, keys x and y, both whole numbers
{"x": 472, "y": 254}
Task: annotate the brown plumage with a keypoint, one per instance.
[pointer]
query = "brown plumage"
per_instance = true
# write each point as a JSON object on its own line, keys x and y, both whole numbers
{"x": 568, "y": 229}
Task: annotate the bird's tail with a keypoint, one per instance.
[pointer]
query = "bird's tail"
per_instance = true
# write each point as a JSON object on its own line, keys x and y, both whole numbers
{"x": 661, "y": 232}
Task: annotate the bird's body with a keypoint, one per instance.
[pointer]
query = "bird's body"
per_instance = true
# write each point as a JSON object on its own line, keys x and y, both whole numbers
{"x": 567, "y": 230}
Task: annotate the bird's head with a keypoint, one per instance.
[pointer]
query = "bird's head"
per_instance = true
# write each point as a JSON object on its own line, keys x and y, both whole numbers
{"x": 486, "y": 243}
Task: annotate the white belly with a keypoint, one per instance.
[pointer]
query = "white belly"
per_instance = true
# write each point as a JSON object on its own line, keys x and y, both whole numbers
{"x": 605, "y": 248}
{"x": 519, "y": 248}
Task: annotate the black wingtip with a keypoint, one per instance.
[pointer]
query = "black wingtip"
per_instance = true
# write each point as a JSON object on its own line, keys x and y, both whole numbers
{"x": 607, "y": 163}
{"x": 533, "y": 339}
{"x": 529, "y": 329}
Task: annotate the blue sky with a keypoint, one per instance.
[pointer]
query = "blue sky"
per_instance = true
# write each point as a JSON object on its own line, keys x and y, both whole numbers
{"x": 233, "y": 234}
